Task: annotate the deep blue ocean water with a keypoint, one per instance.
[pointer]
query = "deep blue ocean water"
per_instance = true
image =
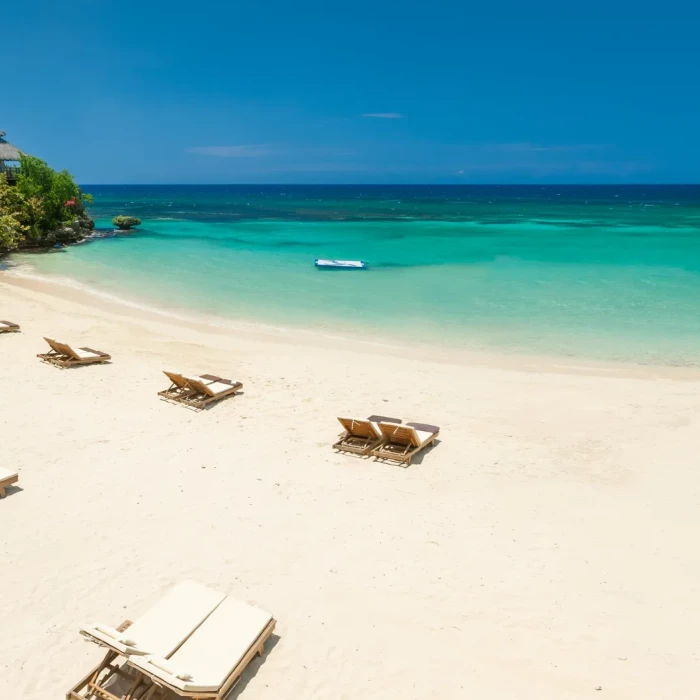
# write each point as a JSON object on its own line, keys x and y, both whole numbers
{"x": 586, "y": 271}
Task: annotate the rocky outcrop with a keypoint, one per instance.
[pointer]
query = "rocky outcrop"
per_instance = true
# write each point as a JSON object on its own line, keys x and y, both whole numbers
{"x": 80, "y": 228}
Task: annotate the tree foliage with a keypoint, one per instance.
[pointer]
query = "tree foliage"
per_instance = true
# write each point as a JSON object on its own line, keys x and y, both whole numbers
{"x": 11, "y": 231}
{"x": 12, "y": 228}
{"x": 41, "y": 202}
{"x": 47, "y": 194}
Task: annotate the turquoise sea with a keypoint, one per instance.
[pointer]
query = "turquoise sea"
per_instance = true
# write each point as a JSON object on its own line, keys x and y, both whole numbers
{"x": 586, "y": 271}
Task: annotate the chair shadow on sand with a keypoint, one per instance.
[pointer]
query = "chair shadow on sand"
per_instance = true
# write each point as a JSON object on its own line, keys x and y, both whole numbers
{"x": 11, "y": 491}
{"x": 214, "y": 405}
{"x": 206, "y": 408}
{"x": 252, "y": 668}
{"x": 418, "y": 459}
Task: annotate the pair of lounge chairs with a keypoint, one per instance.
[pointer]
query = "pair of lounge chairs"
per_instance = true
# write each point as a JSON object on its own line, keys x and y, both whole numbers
{"x": 63, "y": 355}
{"x": 8, "y": 327}
{"x": 385, "y": 438}
{"x": 198, "y": 391}
{"x": 7, "y": 478}
{"x": 195, "y": 642}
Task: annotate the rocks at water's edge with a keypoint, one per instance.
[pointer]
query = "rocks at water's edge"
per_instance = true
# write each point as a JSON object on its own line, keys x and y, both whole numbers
{"x": 77, "y": 230}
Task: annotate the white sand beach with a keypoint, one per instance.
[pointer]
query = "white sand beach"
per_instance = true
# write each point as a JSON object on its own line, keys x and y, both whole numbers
{"x": 543, "y": 549}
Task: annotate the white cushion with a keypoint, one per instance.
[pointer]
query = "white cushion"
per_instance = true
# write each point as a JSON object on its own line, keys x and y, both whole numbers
{"x": 423, "y": 436}
{"x": 214, "y": 387}
{"x": 107, "y": 630}
{"x": 219, "y": 387}
{"x": 164, "y": 665}
{"x": 418, "y": 437}
{"x": 165, "y": 626}
{"x": 213, "y": 651}
{"x": 84, "y": 354}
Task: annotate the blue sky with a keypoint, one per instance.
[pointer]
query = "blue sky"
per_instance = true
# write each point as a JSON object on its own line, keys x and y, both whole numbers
{"x": 361, "y": 92}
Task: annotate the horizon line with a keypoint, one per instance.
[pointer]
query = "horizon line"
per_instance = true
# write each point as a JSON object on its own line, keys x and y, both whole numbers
{"x": 390, "y": 184}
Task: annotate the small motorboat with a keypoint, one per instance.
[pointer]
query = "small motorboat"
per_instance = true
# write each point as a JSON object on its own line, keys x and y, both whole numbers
{"x": 340, "y": 264}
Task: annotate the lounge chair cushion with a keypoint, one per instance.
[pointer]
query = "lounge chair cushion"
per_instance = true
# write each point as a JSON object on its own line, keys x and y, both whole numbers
{"x": 6, "y": 474}
{"x": 219, "y": 387}
{"x": 165, "y": 626}
{"x": 383, "y": 419}
{"x": 423, "y": 427}
{"x": 423, "y": 436}
{"x": 84, "y": 355}
{"x": 403, "y": 434}
{"x": 214, "y": 387}
{"x": 106, "y": 629}
{"x": 114, "y": 634}
{"x": 213, "y": 651}
{"x": 169, "y": 668}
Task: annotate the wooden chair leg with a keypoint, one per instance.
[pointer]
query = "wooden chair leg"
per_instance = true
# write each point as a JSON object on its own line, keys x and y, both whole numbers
{"x": 134, "y": 687}
{"x": 89, "y": 681}
{"x": 151, "y": 693}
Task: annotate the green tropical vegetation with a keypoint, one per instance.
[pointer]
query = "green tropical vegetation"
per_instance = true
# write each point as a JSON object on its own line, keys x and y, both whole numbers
{"x": 124, "y": 223}
{"x": 43, "y": 206}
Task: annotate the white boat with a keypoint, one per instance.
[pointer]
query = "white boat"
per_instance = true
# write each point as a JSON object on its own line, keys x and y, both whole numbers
{"x": 340, "y": 264}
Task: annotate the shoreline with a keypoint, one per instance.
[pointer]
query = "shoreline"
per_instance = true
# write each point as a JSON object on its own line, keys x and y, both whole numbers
{"x": 77, "y": 292}
{"x": 537, "y": 538}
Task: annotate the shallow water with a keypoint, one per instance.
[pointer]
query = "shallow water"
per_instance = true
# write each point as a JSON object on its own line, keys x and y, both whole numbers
{"x": 599, "y": 272}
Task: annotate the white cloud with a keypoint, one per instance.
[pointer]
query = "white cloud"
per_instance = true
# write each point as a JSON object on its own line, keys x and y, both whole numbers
{"x": 526, "y": 147}
{"x": 384, "y": 115}
{"x": 248, "y": 151}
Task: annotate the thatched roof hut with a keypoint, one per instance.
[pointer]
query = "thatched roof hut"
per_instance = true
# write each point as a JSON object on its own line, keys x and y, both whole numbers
{"x": 7, "y": 150}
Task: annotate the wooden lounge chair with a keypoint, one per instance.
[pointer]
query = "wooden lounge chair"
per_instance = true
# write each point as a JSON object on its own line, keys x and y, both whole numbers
{"x": 8, "y": 327}
{"x": 210, "y": 662}
{"x": 7, "y": 478}
{"x": 403, "y": 442}
{"x": 361, "y": 436}
{"x": 63, "y": 355}
{"x": 199, "y": 391}
{"x": 178, "y": 387}
{"x": 101, "y": 679}
{"x": 159, "y": 631}
{"x": 57, "y": 351}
